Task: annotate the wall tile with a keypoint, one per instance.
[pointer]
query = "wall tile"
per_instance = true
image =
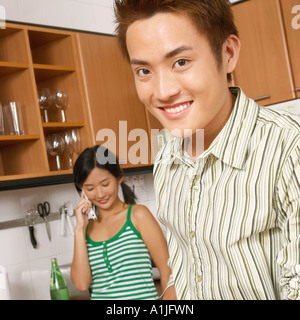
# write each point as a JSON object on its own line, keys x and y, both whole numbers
{"x": 40, "y": 275}
{"x": 13, "y": 246}
{"x": 9, "y": 206}
{"x": 20, "y": 283}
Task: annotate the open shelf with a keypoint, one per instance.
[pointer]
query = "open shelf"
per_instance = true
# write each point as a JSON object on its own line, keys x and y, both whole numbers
{"x": 44, "y": 72}
{"x": 13, "y": 139}
{"x": 52, "y": 127}
{"x": 7, "y": 68}
{"x": 32, "y": 58}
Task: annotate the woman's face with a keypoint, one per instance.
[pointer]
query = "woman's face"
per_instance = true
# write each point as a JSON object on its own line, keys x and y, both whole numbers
{"x": 101, "y": 188}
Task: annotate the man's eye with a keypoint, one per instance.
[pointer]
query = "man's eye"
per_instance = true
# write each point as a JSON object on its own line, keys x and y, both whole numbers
{"x": 143, "y": 72}
{"x": 181, "y": 62}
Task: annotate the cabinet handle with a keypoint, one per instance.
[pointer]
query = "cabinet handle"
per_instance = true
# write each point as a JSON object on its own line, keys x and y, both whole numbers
{"x": 297, "y": 89}
{"x": 262, "y": 97}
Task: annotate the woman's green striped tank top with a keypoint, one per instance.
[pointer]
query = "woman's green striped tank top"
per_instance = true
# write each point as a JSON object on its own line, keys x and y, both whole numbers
{"x": 121, "y": 266}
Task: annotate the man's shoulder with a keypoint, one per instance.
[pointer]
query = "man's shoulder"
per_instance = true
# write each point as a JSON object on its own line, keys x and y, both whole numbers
{"x": 279, "y": 119}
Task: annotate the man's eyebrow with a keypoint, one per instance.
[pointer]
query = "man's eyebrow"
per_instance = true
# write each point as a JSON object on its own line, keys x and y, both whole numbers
{"x": 167, "y": 56}
{"x": 138, "y": 62}
{"x": 177, "y": 51}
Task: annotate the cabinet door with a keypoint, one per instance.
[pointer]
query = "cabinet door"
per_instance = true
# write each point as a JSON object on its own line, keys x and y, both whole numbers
{"x": 263, "y": 70}
{"x": 291, "y": 15}
{"x": 114, "y": 106}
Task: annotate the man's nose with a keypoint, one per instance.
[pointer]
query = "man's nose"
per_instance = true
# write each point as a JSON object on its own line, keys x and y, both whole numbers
{"x": 167, "y": 86}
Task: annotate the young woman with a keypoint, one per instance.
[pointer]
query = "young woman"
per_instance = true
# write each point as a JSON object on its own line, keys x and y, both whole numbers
{"x": 112, "y": 253}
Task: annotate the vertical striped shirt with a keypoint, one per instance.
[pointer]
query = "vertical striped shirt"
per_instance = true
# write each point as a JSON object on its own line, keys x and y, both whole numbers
{"x": 121, "y": 266}
{"x": 232, "y": 218}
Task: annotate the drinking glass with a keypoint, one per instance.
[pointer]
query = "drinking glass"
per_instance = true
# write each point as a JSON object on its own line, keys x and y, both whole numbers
{"x": 55, "y": 145}
{"x": 69, "y": 147}
{"x": 45, "y": 101}
{"x": 60, "y": 100}
{"x": 13, "y": 120}
{"x": 76, "y": 144}
{"x": 2, "y": 129}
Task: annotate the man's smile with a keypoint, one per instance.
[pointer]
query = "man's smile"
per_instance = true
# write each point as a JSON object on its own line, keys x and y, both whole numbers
{"x": 177, "y": 110}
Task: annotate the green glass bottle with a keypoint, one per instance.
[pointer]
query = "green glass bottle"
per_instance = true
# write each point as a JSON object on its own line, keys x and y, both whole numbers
{"x": 58, "y": 286}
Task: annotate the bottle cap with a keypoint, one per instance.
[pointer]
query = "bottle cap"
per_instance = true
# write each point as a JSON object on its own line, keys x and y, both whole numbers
{"x": 53, "y": 260}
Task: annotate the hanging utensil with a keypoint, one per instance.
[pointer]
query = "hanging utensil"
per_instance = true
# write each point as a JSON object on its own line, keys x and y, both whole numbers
{"x": 70, "y": 212}
{"x": 66, "y": 212}
{"x": 44, "y": 210}
{"x": 30, "y": 221}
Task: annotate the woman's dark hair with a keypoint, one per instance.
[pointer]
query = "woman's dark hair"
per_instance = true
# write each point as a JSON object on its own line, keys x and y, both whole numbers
{"x": 100, "y": 157}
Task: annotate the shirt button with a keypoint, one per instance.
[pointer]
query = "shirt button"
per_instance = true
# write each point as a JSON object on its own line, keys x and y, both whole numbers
{"x": 196, "y": 188}
{"x": 199, "y": 278}
{"x": 192, "y": 234}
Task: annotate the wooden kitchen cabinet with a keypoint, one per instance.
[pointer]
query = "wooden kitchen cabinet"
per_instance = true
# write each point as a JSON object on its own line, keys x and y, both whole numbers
{"x": 101, "y": 95}
{"x": 32, "y": 58}
{"x": 112, "y": 98}
{"x": 263, "y": 71}
{"x": 291, "y": 17}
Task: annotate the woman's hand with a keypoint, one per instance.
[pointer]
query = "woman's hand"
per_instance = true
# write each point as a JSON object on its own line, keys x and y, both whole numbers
{"x": 81, "y": 212}
{"x": 81, "y": 274}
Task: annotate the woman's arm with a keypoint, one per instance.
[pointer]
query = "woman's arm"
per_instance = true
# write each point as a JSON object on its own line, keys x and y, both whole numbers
{"x": 80, "y": 270}
{"x": 155, "y": 241}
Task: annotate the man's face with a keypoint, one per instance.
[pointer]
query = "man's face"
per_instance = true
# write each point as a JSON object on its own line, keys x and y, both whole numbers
{"x": 176, "y": 74}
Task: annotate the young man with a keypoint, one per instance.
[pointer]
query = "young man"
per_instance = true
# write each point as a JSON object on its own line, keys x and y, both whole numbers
{"x": 231, "y": 210}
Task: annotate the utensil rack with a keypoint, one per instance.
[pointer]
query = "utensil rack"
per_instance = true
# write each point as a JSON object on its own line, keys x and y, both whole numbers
{"x": 22, "y": 222}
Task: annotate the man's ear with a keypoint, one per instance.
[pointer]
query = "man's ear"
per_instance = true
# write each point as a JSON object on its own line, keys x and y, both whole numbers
{"x": 231, "y": 52}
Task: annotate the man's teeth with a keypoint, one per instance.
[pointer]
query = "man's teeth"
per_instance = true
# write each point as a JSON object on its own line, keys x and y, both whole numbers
{"x": 178, "y": 109}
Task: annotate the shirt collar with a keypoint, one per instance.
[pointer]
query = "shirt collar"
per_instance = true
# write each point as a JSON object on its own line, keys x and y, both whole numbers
{"x": 230, "y": 146}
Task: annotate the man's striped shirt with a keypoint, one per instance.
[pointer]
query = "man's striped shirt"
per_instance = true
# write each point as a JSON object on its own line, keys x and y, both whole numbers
{"x": 121, "y": 266}
{"x": 232, "y": 218}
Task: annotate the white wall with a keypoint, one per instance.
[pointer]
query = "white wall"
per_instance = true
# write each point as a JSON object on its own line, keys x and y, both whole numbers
{"x": 88, "y": 15}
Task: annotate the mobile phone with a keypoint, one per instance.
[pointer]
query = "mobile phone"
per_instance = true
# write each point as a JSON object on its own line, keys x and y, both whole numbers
{"x": 91, "y": 213}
